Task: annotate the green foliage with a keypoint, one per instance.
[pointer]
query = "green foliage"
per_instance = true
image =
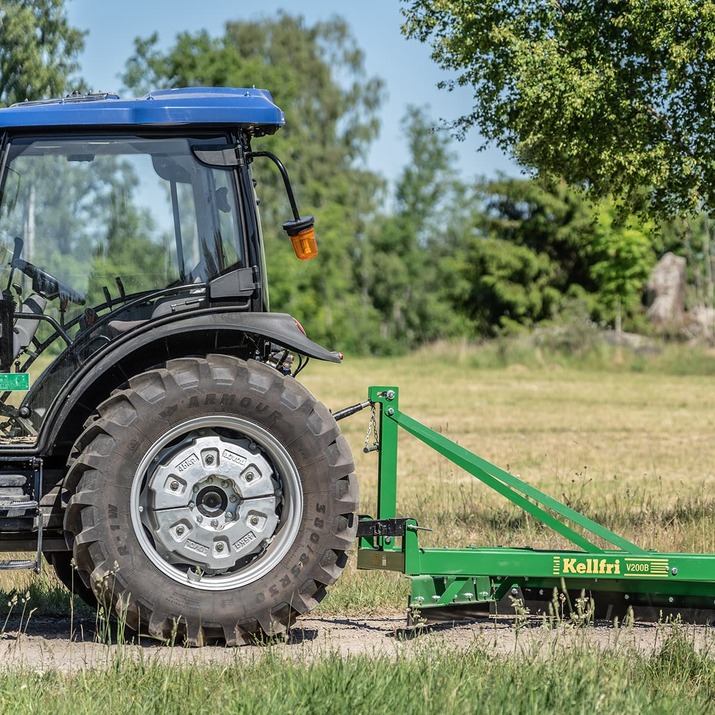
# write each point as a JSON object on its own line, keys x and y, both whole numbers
{"x": 612, "y": 96}
{"x": 565, "y": 674}
{"x": 499, "y": 285}
{"x": 622, "y": 260}
{"x": 535, "y": 247}
{"x": 548, "y": 218}
{"x": 38, "y": 50}
{"x": 316, "y": 72}
{"x": 404, "y": 279}
{"x": 447, "y": 259}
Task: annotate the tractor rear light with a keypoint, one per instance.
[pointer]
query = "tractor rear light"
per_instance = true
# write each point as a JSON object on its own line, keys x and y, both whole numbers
{"x": 302, "y": 236}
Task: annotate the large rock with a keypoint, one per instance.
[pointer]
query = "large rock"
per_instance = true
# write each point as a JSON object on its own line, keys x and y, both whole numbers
{"x": 666, "y": 291}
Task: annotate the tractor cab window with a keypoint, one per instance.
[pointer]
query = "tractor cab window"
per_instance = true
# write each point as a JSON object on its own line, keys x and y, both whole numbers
{"x": 117, "y": 216}
{"x": 99, "y": 235}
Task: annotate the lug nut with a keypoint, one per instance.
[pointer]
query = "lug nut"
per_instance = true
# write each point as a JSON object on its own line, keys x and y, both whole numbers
{"x": 174, "y": 486}
{"x": 254, "y": 520}
{"x": 214, "y": 522}
{"x": 199, "y": 519}
{"x": 219, "y": 547}
{"x": 210, "y": 480}
{"x": 180, "y": 530}
{"x": 224, "y": 484}
{"x": 209, "y": 459}
{"x": 229, "y": 516}
{"x": 233, "y": 498}
{"x": 249, "y": 477}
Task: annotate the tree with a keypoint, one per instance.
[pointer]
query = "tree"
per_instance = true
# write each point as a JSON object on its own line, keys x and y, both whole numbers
{"x": 403, "y": 278}
{"x": 546, "y": 217}
{"x": 499, "y": 286}
{"x": 611, "y": 96}
{"x": 38, "y": 50}
{"x": 622, "y": 259}
{"x": 534, "y": 249}
{"x": 316, "y": 74}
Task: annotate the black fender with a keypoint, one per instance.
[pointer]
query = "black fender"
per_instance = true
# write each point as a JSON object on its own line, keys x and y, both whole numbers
{"x": 196, "y": 333}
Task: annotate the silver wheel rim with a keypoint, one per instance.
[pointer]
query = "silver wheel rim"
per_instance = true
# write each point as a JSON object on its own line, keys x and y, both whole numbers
{"x": 216, "y": 503}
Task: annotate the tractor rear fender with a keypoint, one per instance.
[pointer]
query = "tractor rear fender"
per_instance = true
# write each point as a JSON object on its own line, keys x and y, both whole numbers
{"x": 196, "y": 334}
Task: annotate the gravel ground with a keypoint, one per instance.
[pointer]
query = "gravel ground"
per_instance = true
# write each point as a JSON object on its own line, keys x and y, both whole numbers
{"x": 46, "y": 643}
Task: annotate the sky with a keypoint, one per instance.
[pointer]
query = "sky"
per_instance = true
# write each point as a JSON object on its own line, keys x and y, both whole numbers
{"x": 410, "y": 76}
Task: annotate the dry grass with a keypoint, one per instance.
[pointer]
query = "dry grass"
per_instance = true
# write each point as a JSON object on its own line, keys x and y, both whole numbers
{"x": 635, "y": 451}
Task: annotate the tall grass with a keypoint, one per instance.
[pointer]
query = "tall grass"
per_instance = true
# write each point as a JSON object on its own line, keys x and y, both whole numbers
{"x": 428, "y": 678}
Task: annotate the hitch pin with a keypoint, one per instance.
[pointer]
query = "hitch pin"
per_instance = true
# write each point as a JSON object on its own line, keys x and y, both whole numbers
{"x": 415, "y": 527}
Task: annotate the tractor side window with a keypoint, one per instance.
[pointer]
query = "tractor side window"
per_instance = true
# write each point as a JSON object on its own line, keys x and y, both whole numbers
{"x": 115, "y": 217}
{"x": 225, "y": 200}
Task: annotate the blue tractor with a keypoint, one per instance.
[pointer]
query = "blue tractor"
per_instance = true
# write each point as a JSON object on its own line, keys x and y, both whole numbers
{"x": 155, "y": 445}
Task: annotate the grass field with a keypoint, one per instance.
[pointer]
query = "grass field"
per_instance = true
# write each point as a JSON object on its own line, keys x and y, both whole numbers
{"x": 635, "y": 450}
{"x": 675, "y": 680}
{"x": 628, "y": 441}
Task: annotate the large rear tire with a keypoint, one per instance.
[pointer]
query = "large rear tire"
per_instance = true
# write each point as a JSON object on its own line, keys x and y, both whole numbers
{"x": 212, "y": 499}
{"x": 63, "y": 564}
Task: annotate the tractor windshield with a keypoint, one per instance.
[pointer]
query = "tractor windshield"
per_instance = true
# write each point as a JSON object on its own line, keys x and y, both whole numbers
{"x": 109, "y": 215}
{"x": 98, "y": 235}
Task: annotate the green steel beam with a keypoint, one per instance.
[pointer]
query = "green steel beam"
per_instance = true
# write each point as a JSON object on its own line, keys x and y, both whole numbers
{"x": 442, "y": 577}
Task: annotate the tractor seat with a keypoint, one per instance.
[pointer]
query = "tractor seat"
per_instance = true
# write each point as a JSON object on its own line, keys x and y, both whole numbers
{"x": 25, "y": 328}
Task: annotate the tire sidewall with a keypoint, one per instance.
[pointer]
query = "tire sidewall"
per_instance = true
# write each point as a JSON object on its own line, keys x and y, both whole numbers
{"x": 261, "y": 396}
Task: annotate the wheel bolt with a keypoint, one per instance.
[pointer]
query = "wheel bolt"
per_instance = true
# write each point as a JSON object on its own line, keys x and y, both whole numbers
{"x": 199, "y": 519}
{"x": 254, "y": 520}
{"x": 210, "y": 480}
{"x": 233, "y": 498}
{"x": 209, "y": 459}
{"x": 214, "y": 522}
{"x": 180, "y": 530}
{"x": 249, "y": 477}
{"x": 219, "y": 547}
{"x": 229, "y": 516}
{"x": 174, "y": 486}
{"x": 224, "y": 484}
{"x": 191, "y": 505}
{"x": 195, "y": 489}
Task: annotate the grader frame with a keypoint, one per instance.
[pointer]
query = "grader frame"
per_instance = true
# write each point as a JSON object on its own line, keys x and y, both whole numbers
{"x": 615, "y": 576}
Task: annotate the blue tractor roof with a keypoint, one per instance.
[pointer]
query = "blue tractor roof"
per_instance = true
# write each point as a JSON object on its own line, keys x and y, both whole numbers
{"x": 252, "y": 109}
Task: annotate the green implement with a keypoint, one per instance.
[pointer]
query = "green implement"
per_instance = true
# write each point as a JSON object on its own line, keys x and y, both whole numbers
{"x": 614, "y": 576}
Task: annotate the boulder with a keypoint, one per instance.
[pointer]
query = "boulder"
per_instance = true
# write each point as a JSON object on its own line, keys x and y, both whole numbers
{"x": 666, "y": 293}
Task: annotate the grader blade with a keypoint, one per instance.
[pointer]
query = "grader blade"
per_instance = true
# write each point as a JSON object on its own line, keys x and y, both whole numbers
{"x": 604, "y": 576}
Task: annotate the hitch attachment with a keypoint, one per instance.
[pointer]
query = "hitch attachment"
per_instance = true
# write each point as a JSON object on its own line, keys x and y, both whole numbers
{"x": 453, "y": 583}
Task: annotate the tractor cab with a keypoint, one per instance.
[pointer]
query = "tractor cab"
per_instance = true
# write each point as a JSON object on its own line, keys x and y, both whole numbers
{"x": 116, "y": 214}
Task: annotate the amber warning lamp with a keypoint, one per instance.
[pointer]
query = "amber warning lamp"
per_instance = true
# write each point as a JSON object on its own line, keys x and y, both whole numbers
{"x": 302, "y": 235}
{"x": 300, "y": 230}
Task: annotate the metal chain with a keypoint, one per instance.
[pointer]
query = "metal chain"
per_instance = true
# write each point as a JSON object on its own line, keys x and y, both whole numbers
{"x": 371, "y": 430}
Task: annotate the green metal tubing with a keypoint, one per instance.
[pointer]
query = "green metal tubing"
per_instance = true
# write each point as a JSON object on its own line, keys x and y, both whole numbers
{"x": 447, "y": 577}
{"x": 506, "y": 484}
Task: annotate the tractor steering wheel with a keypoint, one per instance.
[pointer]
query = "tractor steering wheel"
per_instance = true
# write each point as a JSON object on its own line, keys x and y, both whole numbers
{"x": 47, "y": 285}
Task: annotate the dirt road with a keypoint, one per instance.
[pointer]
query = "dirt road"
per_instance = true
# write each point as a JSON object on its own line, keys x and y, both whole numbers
{"x": 46, "y": 643}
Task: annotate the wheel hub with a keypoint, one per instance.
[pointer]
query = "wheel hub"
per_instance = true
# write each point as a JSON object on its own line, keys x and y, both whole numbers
{"x": 211, "y": 502}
